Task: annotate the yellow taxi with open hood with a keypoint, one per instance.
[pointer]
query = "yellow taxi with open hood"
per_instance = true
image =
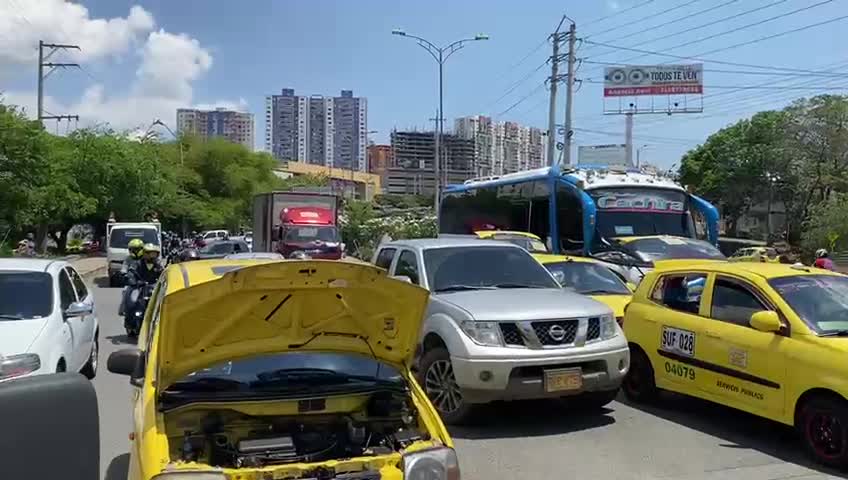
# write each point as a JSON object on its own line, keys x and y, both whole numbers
{"x": 255, "y": 369}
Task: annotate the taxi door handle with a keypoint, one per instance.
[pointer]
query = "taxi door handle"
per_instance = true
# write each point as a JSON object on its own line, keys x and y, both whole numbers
{"x": 711, "y": 334}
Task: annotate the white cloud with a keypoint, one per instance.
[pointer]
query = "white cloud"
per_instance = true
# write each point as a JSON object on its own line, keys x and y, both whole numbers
{"x": 168, "y": 65}
{"x": 24, "y": 22}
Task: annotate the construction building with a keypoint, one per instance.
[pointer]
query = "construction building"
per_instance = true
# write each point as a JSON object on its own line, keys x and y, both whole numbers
{"x": 414, "y": 152}
{"x": 327, "y": 131}
{"x": 236, "y": 127}
{"x": 380, "y": 158}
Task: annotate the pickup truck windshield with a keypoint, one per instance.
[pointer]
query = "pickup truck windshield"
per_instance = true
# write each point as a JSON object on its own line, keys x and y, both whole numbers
{"x": 120, "y": 237}
{"x": 468, "y": 268}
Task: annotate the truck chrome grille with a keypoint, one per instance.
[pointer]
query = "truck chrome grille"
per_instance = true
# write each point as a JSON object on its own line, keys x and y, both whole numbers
{"x": 511, "y": 334}
{"x": 593, "y": 332}
{"x": 556, "y": 332}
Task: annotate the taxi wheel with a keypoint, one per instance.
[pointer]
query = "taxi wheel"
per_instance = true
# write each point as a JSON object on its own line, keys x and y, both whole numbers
{"x": 639, "y": 383}
{"x": 437, "y": 379}
{"x": 823, "y": 425}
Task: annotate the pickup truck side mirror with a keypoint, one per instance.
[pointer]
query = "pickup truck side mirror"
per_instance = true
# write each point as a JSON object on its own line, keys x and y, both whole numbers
{"x": 275, "y": 234}
{"x": 402, "y": 278}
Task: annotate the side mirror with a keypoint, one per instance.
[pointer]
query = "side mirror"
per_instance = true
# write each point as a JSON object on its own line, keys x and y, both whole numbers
{"x": 402, "y": 278}
{"x": 79, "y": 309}
{"x": 631, "y": 286}
{"x": 275, "y": 234}
{"x": 128, "y": 361}
{"x": 766, "y": 321}
{"x": 559, "y": 276}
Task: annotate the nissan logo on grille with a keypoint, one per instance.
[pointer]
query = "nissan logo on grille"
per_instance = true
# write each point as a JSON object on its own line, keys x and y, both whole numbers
{"x": 556, "y": 332}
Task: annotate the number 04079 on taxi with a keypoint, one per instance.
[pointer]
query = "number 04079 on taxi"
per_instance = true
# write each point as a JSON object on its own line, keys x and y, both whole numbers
{"x": 678, "y": 341}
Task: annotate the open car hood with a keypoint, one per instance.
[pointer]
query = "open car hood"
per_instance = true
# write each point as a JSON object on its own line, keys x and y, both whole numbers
{"x": 315, "y": 305}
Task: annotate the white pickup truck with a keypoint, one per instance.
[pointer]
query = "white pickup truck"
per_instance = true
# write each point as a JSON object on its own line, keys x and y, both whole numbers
{"x": 118, "y": 236}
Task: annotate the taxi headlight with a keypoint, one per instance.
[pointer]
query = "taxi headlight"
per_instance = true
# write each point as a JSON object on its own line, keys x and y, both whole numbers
{"x": 190, "y": 476}
{"x": 484, "y": 333}
{"x": 608, "y": 327}
{"x": 433, "y": 464}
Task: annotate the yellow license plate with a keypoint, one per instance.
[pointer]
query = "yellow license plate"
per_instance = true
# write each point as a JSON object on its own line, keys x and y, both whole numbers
{"x": 563, "y": 380}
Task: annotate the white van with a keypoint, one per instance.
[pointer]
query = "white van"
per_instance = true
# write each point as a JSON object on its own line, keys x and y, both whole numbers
{"x": 213, "y": 235}
{"x": 118, "y": 236}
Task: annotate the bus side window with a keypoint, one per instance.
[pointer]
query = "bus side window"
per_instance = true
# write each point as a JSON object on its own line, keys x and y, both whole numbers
{"x": 700, "y": 224}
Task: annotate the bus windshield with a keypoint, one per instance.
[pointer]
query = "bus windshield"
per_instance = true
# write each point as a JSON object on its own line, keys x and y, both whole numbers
{"x": 640, "y": 211}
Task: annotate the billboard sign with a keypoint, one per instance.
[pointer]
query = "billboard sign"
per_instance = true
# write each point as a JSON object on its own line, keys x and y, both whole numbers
{"x": 635, "y": 80}
{"x": 607, "y": 155}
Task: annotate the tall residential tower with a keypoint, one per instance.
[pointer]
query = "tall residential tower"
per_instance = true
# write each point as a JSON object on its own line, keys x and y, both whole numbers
{"x": 236, "y": 127}
{"x": 329, "y": 131}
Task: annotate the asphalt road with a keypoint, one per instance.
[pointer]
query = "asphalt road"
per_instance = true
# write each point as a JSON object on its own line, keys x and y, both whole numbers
{"x": 680, "y": 438}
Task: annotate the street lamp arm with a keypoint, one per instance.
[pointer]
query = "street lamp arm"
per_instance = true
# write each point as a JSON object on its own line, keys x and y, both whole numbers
{"x": 431, "y": 49}
{"x": 461, "y": 41}
{"x": 426, "y": 43}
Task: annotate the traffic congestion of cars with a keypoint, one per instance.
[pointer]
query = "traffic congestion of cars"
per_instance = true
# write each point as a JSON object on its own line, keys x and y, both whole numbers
{"x": 251, "y": 365}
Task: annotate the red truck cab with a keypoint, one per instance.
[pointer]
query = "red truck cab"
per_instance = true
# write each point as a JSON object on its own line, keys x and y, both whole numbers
{"x": 311, "y": 230}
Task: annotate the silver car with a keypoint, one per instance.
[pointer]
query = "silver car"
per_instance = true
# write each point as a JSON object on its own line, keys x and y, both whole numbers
{"x": 499, "y": 327}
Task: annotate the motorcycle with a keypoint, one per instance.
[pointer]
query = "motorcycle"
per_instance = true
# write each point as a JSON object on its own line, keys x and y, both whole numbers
{"x": 133, "y": 318}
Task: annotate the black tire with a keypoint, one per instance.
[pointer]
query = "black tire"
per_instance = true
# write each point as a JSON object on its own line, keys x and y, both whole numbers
{"x": 60, "y": 367}
{"x": 435, "y": 376}
{"x": 822, "y": 422}
{"x": 640, "y": 384}
{"x": 593, "y": 400}
{"x": 90, "y": 367}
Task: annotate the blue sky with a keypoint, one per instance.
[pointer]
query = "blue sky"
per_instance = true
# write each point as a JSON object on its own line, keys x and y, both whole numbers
{"x": 215, "y": 52}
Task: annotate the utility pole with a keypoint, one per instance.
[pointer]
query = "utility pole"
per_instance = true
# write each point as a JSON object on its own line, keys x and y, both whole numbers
{"x": 554, "y": 79}
{"x": 43, "y": 62}
{"x": 569, "y": 94}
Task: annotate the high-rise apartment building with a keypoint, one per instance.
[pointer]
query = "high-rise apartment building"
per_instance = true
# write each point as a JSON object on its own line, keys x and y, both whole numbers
{"x": 329, "y": 131}
{"x": 501, "y": 148}
{"x": 236, "y": 127}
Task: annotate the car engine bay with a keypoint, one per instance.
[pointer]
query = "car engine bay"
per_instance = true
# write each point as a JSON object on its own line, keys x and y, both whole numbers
{"x": 227, "y": 438}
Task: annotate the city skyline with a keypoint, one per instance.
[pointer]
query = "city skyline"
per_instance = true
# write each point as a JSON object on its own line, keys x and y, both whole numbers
{"x": 237, "y": 127}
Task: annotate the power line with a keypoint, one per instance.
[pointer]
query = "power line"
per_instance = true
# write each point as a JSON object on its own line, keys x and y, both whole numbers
{"x": 621, "y": 12}
{"x": 522, "y": 99}
{"x": 670, "y": 22}
{"x": 516, "y": 85}
{"x": 708, "y": 60}
{"x": 653, "y": 15}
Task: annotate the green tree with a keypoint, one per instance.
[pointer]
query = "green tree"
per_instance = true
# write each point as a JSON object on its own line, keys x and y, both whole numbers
{"x": 23, "y": 149}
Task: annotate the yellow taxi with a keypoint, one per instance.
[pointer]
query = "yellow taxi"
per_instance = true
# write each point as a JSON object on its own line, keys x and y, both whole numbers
{"x": 589, "y": 277}
{"x": 250, "y": 369}
{"x": 755, "y": 254}
{"x": 528, "y": 241}
{"x": 769, "y": 339}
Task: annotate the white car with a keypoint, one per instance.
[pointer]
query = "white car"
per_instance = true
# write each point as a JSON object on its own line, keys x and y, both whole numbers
{"x": 47, "y": 319}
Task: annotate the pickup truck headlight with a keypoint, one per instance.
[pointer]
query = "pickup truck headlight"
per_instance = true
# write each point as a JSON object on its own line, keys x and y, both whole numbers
{"x": 18, "y": 365}
{"x": 608, "y": 327}
{"x": 432, "y": 464}
{"x": 483, "y": 333}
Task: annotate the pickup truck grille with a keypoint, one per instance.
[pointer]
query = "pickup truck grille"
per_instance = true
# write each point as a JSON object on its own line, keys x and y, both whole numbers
{"x": 511, "y": 335}
{"x": 593, "y": 332}
{"x": 557, "y": 332}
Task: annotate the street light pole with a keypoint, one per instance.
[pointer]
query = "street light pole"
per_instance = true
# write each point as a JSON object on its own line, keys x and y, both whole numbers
{"x": 440, "y": 55}
{"x": 179, "y": 142}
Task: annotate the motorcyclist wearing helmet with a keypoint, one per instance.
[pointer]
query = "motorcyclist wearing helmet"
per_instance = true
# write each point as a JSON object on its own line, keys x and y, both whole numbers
{"x": 823, "y": 260}
{"x": 148, "y": 269}
{"x": 136, "y": 248}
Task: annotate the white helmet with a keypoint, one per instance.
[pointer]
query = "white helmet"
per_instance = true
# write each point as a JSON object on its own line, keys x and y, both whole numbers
{"x": 821, "y": 253}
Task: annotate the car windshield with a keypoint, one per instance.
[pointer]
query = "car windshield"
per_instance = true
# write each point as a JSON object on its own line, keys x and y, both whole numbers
{"x": 217, "y": 248}
{"x": 587, "y": 278}
{"x": 820, "y": 300}
{"x": 120, "y": 237}
{"x": 293, "y": 371}
{"x": 671, "y": 248}
{"x": 25, "y": 295}
{"x": 311, "y": 234}
{"x": 530, "y": 244}
{"x": 461, "y": 268}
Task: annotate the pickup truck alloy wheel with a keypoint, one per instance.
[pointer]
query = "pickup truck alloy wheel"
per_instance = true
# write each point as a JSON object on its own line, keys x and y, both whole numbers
{"x": 440, "y": 385}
